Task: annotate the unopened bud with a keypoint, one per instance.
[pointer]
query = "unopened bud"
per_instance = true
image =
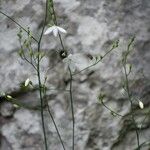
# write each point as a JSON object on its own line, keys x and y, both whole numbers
{"x": 9, "y": 97}
{"x": 16, "y": 106}
{"x": 141, "y": 105}
{"x": 27, "y": 82}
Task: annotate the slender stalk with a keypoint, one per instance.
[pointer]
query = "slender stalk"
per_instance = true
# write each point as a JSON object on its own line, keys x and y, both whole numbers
{"x": 112, "y": 111}
{"x": 113, "y": 47}
{"x": 18, "y": 25}
{"x": 20, "y": 104}
{"x": 124, "y": 62}
{"x": 131, "y": 103}
{"x": 72, "y": 109}
{"x": 41, "y": 100}
{"x": 55, "y": 22}
{"x": 53, "y": 120}
{"x": 31, "y": 63}
{"x": 39, "y": 81}
{"x": 49, "y": 111}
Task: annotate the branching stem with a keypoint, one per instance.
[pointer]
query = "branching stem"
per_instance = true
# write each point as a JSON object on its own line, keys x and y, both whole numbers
{"x": 39, "y": 81}
{"x": 124, "y": 62}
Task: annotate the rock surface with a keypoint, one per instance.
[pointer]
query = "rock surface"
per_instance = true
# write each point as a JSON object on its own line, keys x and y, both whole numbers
{"x": 92, "y": 26}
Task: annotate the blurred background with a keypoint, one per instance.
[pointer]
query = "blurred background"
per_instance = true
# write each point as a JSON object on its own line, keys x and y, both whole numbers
{"x": 92, "y": 26}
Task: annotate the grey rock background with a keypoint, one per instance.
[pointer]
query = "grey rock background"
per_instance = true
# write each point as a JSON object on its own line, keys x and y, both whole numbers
{"x": 92, "y": 26}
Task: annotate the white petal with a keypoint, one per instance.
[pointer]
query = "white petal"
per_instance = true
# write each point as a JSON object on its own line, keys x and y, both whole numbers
{"x": 61, "y": 30}
{"x": 70, "y": 56}
{"x": 66, "y": 60}
{"x": 49, "y": 30}
{"x": 55, "y": 31}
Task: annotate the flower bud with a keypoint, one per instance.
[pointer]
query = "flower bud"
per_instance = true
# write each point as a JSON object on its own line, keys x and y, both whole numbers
{"x": 16, "y": 106}
{"x": 27, "y": 82}
{"x": 9, "y": 97}
{"x": 141, "y": 105}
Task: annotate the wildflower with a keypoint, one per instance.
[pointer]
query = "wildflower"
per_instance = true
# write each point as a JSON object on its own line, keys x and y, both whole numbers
{"x": 55, "y": 30}
{"x": 27, "y": 82}
{"x": 76, "y": 61}
{"x": 141, "y": 105}
{"x": 70, "y": 62}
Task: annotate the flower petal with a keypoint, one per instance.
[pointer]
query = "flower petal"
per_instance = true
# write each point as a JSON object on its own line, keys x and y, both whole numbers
{"x": 49, "y": 30}
{"x": 55, "y": 31}
{"x": 61, "y": 30}
{"x": 66, "y": 60}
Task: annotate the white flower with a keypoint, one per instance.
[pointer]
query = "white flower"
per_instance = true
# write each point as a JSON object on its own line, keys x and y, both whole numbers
{"x": 76, "y": 61}
{"x": 141, "y": 105}
{"x": 55, "y": 30}
{"x": 27, "y": 82}
{"x": 70, "y": 62}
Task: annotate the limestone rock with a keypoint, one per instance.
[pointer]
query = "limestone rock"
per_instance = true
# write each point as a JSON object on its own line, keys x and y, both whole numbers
{"x": 92, "y": 27}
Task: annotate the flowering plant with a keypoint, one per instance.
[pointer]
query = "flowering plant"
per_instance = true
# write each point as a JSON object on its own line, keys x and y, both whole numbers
{"x": 74, "y": 63}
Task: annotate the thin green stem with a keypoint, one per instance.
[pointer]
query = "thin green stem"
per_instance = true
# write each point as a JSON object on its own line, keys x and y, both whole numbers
{"x": 20, "y": 104}
{"x": 19, "y": 25}
{"x": 55, "y": 22}
{"x": 31, "y": 63}
{"x": 131, "y": 103}
{"x": 113, "y": 47}
{"x": 39, "y": 81}
{"x": 53, "y": 120}
{"x": 59, "y": 136}
{"x": 72, "y": 109}
{"x": 112, "y": 111}
{"x": 42, "y": 103}
{"x": 124, "y": 62}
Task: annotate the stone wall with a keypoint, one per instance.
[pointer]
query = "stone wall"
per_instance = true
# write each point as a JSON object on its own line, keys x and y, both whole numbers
{"x": 92, "y": 26}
